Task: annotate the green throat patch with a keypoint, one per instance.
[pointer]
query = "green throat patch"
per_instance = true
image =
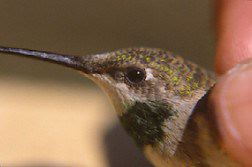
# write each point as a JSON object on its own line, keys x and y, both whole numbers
{"x": 144, "y": 121}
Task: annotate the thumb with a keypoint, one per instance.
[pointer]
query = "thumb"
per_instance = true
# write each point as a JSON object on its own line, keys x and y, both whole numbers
{"x": 232, "y": 103}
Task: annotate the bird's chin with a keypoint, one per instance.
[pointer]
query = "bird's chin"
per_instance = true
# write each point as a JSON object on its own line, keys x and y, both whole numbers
{"x": 114, "y": 95}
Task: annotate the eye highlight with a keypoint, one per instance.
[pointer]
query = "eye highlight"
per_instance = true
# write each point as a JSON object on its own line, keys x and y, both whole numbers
{"x": 135, "y": 75}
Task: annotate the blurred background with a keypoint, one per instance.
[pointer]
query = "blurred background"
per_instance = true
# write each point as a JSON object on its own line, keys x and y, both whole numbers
{"x": 54, "y": 115}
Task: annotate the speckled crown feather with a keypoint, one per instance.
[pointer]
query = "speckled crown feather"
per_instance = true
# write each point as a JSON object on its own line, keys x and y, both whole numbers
{"x": 181, "y": 76}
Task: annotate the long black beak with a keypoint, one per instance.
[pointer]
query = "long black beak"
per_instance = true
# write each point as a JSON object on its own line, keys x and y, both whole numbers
{"x": 75, "y": 62}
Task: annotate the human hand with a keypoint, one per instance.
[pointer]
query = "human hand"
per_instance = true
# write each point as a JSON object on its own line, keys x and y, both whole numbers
{"x": 232, "y": 95}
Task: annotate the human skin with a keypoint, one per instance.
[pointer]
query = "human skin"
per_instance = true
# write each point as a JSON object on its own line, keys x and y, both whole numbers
{"x": 231, "y": 98}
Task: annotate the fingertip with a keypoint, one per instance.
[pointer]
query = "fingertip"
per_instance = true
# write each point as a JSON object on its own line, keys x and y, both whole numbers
{"x": 232, "y": 102}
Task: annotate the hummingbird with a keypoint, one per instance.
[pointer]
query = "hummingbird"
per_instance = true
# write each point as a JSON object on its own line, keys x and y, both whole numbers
{"x": 159, "y": 98}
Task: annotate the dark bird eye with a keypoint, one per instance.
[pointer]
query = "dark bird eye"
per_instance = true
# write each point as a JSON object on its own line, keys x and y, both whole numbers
{"x": 135, "y": 75}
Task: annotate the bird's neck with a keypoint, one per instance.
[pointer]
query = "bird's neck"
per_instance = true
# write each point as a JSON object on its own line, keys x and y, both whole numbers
{"x": 158, "y": 124}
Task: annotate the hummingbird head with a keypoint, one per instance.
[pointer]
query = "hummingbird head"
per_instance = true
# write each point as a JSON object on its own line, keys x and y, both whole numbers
{"x": 145, "y": 75}
{"x": 153, "y": 91}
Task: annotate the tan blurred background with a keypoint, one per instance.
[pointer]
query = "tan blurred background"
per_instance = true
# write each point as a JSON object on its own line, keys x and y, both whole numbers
{"x": 52, "y": 114}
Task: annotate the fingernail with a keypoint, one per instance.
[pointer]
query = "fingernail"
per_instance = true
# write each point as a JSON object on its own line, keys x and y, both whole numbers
{"x": 232, "y": 100}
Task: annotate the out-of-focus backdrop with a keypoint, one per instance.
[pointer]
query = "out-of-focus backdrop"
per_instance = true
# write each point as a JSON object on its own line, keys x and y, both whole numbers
{"x": 53, "y": 115}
